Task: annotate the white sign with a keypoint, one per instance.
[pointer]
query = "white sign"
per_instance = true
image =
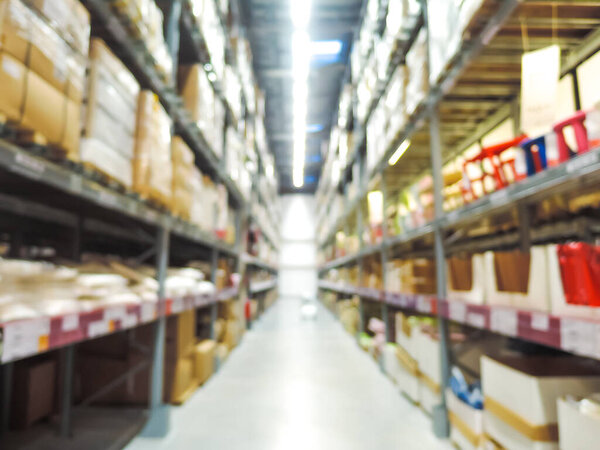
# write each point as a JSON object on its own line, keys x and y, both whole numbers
{"x": 25, "y": 338}
{"x": 540, "y": 72}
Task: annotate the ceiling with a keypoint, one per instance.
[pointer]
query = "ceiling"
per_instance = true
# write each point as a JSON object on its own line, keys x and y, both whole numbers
{"x": 269, "y": 29}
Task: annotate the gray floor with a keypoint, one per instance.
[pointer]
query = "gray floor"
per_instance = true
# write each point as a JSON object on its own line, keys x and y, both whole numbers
{"x": 293, "y": 384}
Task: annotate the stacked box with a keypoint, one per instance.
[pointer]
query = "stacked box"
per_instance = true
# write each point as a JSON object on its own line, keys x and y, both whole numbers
{"x": 180, "y": 357}
{"x": 40, "y": 68}
{"x": 183, "y": 178}
{"x": 415, "y": 276}
{"x": 146, "y": 20}
{"x": 205, "y": 109}
{"x": 110, "y": 115}
{"x": 205, "y": 354}
{"x": 521, "y": 394}
{"x": 418, "y": 79}
{"x": 152, "y": 169}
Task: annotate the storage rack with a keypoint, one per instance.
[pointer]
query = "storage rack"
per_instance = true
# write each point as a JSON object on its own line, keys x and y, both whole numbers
{"x": 478, "y": 90}
{"x": 77, "y": 213}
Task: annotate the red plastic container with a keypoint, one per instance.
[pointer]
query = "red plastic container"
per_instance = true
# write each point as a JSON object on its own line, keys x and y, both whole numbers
{"x": 581, "y": 136}
{"x": 580, "y": 273}
{"x": 499, "y": 168}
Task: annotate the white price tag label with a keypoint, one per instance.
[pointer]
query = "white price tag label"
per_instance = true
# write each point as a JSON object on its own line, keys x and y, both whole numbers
{"x": 75, "y": 182}
{"x": 33, "y": 166}
{"x": 177, "y": 306}
{"x": 580, "y": 337}
{"x": 25, "y": 338}
{"x": 476, "y": 320}
{"x": 581, "y": 162}
{"x": 129, "y": 321}
{"x": 504, "y": 321}
{"x": 70, "y": 323}
{"x": 424, "y": 305}
{"x": 99, "y": 328}
{"x": 148, "y": 312}
{"x": 115, "y": 313}
{"x": 540, "y": 321}
{"x": 458, "y": 311}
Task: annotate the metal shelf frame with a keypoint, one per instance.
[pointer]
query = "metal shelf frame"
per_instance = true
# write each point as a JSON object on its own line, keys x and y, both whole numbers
{"x": 579, "y": 172}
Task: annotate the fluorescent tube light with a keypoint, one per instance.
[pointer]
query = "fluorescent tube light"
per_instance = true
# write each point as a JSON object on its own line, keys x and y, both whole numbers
{"x": 399, "y": 152}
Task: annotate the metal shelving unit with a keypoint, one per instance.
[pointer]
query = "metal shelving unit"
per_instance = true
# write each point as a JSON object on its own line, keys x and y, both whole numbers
{"x": 477, "y": 91}
{"x": 73, "y": 204}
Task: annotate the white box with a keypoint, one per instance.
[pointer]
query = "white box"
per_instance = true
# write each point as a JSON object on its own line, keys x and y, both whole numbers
{"x": 521, "y": 392}
{"x": 408, "y": 376}
{"x": 391, "y": 364}
{"x": 577, "y": 431}
{"x": 477, "y": 293}
{"x": 466, "y": 422}
{"x": 537, "y": 295}
{"x": 428, "y": 356}
{"x": 429, "y": 397}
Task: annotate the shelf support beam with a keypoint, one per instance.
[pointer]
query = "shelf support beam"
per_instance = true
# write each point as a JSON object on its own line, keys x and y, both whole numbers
{"x": 158, "y": 424}
{"x": 440, "y": 415}
{"x": 68, "y": 354}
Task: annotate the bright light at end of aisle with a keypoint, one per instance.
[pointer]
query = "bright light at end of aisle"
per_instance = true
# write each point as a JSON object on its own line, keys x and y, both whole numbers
{"x": 300, "y": 15}
{"x": 325, "y": 48}
{"x": 398, "y": 154}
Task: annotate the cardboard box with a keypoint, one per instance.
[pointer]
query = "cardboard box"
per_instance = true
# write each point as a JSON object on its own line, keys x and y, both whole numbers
{"x": 521, "y": 394}
{"x": 112, "y": 100}
{"x": 14, "y": 29}
{"x": 518, "y": 280}
{"x": 32, "y": 392}
{"x": 466, "y": 423}
{"x": 181, "y": 335}
{"x": 405, "y": 334}
{"x": 12, "y": 86}
{"x": 198, "y": 95}
{"x": 408, "y": 377}
{"x": 69, "y": 18}
{"x": 204, "y": 362}
{"x": 60, "y": 125}
{"x": 232, "y": 334}
{"x": 577, "y": 431}
{"x": 466, "y": 279}
{"x": 152, "y": 168}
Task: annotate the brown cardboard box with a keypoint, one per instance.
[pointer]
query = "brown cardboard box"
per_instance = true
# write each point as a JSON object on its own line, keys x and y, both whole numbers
{"x": 59, "y": 125}
{"x": 12, "y": 86}
{"x": 14, "y": 30}
{"x": 232, "y": 334}
{"x": 33, "y": 392}
{"x": 152, "y": 169}
{"x": 205, "y": 360}
{"x": 460, "y": 272}
{"x": 69, "y": 18}
{"x": 180, "y": 380}
{"x": 181, "y": 335}
{"x": 512, "y": 271}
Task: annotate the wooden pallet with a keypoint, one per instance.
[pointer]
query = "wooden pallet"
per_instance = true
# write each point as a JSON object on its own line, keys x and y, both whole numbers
{"x": 92, "y": 172}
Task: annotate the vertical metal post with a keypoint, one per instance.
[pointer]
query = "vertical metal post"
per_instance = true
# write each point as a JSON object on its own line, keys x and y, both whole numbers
{"x": 359, "y": 230}
{"x": 440, "y": 415}
{"x": 7, "y": 377}
{"x": 68, "y": 355}
{"x": 385, "y": 314}
{"x": 214, "y": 261}
{"x": 158, "y": 423}
{"x": 172, "y": 32}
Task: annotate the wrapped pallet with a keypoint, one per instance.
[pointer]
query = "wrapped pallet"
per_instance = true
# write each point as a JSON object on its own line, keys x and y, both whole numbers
{"x": 42, "y": 68}
{"x": 152, "y": 169}
{"x": 183, "y": 175}
{"x": 110, "y": 115}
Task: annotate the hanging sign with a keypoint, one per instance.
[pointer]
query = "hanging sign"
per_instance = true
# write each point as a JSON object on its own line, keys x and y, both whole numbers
{"x": 540, "y": 72}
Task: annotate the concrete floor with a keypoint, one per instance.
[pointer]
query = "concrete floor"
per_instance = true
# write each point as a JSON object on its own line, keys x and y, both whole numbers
{"x": 294, "y": 384}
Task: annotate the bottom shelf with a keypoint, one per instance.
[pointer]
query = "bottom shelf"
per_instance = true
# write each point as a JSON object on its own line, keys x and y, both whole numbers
{"x": 93, "y": 429}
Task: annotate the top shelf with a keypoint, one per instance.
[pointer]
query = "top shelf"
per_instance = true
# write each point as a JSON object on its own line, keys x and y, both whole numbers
{"x": 136, "y": 56}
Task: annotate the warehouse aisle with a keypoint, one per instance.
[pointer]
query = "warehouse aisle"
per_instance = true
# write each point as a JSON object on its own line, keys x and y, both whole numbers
{"x": 300, "y": 385}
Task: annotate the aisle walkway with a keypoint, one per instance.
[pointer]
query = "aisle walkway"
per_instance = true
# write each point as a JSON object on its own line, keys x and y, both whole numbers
{"x": 297, "y": 385}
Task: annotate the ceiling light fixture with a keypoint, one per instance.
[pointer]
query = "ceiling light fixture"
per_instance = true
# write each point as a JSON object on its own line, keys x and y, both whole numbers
{"x": 399, "y": 152}
{"x": 300, "y": 15}
{"x": 326, "y": 48}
